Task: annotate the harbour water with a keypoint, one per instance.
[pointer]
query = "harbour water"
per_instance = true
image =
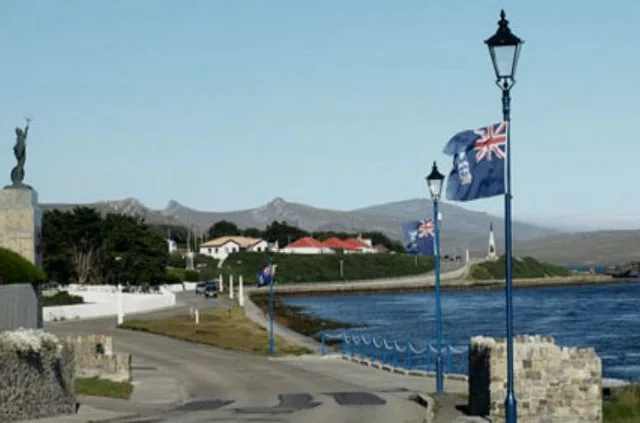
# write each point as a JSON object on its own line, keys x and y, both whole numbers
{"x": 606, "y": 317}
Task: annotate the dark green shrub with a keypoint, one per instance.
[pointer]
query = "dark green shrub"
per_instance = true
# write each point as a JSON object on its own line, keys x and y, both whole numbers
{"x": 16, "y": 269}
{"x": 172, "y": 277}
{"x": 192, "y": 276}
{"x": 61, "y": 298}
{"x": 176, "y": 260}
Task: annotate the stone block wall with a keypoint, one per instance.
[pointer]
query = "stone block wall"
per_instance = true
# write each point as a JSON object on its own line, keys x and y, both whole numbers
{"x": 552, "y": 384}
{"x": 95, "y": 357}
{"x": 20, "y": 222}
{"x": 36, "y": 376}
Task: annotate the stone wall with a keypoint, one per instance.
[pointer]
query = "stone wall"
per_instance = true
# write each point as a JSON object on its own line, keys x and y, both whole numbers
{"x": 552, "y": 384}
{"x": 95, "y": 357}
{"x": 37, "y": 376}
{"x": 20, "y": 222}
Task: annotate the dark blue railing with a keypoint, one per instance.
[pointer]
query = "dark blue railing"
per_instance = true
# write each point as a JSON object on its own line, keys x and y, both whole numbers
{"x": 406, "y": 356}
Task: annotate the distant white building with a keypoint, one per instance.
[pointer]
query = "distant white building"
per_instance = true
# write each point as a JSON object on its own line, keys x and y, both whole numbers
{"x": 172, "y": 245}
{"x": 220, "y": 248}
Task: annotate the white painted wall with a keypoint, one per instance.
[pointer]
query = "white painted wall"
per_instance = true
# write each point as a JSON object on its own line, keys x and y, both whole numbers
{"x": 307, "y": 250}
{"x": 223, "y": 251}
{"x": 100, "y": 301}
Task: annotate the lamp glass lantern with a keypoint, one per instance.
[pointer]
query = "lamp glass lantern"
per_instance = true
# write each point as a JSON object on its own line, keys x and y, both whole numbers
{"x": 435, "y": 182}
{"x": 504, "y": 47}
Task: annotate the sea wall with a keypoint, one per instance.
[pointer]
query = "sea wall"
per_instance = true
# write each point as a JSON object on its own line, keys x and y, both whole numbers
{"x": 95, "y": 357}
{"x": 552, "y": 384}
{"x": 36, "y": 374}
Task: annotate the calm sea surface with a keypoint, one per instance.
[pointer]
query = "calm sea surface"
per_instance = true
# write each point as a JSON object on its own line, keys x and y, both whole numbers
{"x": 606, "y": 317}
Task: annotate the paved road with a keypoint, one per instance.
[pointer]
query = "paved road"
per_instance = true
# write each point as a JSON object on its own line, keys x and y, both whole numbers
{"x": 225, "y": 386}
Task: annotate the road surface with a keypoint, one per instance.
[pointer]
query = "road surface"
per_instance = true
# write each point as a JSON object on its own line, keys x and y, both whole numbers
{"x": 224, "y": 386}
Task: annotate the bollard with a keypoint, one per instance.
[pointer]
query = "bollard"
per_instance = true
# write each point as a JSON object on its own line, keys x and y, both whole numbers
{"x": 240, "y": 291}
{"x": 449, "y": 361}
{"x": 197, "y": 314}
{"x": 323, "y": 348}
{"x": 119, "y": 305}
{"x": 231, "y": 287}
{"x": 221, "y": 282}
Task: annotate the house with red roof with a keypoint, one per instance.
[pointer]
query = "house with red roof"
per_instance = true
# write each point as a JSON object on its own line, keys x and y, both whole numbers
{"x": 335, "y": 244}
{"x": 306, "y": 245}
{"x": 351, "y": 245}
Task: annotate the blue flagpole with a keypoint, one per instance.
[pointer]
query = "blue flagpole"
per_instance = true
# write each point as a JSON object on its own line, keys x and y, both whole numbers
{"x": 510, "y": 400}
{"x": 272, "y": 346}
{"x": 436, "y": 258}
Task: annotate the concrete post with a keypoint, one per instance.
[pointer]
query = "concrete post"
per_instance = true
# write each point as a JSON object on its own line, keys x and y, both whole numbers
{"x": 240, "y": 291}
{"x": 197, "y": 315}
{"x": 119, "y": 305}
{"x": 221, "y": 283}
{"x": 231, "y": 287}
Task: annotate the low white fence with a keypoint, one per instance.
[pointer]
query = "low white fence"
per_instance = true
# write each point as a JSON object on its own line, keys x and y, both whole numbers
{"x": 102, "y": 301}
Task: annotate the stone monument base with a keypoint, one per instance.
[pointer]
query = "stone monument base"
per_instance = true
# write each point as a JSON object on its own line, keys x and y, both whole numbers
{"x": 20, "y": 221}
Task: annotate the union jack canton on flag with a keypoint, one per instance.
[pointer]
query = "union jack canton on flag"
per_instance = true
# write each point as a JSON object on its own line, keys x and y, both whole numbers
{"x": 425, "y": 240}
{"x": 478, "y": 163}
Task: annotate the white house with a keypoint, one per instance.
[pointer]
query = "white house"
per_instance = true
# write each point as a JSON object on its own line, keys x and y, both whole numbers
{"x": 306, "y": 245}
{"x": 172, "y": 245}
{"x": 220, "y": 248}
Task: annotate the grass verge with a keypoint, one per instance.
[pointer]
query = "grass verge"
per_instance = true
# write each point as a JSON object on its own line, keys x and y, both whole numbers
{"x": 224, "y": 328}
{"x": 624, "y": 406}
{"x": 103, "y": 388}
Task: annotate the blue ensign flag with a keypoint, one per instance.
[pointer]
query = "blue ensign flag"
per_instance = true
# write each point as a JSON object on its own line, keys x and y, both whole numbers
{"x": 265, "y": 277}
{"x": 420, "y": 236}
{"x": 478, "y": 163}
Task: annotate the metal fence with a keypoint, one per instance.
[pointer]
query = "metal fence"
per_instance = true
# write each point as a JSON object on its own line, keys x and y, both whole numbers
{"x": 20, "y": 307}
{"x": 398, "y": 355}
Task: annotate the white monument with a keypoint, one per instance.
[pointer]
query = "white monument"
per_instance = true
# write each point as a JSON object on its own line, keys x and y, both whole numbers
{"x": 491, "y": 253}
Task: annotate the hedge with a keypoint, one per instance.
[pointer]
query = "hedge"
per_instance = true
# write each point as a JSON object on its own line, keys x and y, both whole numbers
{"x": 61, "y": 298}
{"x": 526, "y": 267}
{"x": 292, "y": 268}
{"x": 16, "y": 269}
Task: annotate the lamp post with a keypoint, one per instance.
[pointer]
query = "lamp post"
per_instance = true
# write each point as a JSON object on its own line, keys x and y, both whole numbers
{"x": 504, "y": 48}
{"x": 434, "y": 183}
{"x": 272, "y": 344}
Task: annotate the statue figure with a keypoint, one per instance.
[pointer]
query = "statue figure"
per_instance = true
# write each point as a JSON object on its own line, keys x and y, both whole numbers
{"x": 20, "y": 151}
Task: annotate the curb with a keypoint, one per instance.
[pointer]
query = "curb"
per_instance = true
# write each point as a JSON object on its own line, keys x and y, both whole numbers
{"x": 428, "y": 402}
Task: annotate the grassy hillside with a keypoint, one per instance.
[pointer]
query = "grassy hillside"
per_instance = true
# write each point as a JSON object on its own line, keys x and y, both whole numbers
{"x": 526, "y": 267}
{"x": 292, "y": 268}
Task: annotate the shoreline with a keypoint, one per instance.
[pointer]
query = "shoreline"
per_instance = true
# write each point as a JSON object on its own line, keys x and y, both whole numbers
{"x": 395, "y": 287}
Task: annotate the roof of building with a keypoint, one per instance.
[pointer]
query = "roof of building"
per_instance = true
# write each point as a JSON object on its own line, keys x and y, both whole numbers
{"x": 305, "y": 242}
{"x": 333, "y": 242}
{"x": 242, "y": 241}
{"x": 354, "y": 244}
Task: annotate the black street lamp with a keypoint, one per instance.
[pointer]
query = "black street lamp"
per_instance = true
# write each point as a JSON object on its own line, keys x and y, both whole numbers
{"x": 435, "y": 181}
{"x": 504, "y": 48}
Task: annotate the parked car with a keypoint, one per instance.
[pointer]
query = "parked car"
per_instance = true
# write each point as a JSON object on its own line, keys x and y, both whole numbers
{"x": 200, "y": 288}
{"x": 211, "y": 290}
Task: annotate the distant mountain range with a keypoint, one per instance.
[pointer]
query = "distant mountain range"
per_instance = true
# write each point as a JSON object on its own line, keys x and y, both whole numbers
{"x": 460, "y": 228}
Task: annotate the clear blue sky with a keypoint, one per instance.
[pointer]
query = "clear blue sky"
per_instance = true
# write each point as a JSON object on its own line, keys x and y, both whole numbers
{"x": 340, "y": 104}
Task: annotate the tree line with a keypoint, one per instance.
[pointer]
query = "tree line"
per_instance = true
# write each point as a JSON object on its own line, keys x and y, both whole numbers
{"x": 81, "y": 246}
{"x": 284, "y": 234}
